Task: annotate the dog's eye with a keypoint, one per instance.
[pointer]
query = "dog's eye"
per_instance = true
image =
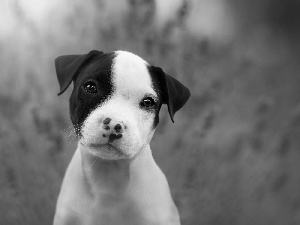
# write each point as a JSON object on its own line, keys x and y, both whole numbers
{"x": 90, "y": 87}
{"x": 147, "y": 102}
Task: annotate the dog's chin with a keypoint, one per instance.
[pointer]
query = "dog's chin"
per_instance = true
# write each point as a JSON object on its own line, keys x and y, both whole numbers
{"x": 107, "y": 151}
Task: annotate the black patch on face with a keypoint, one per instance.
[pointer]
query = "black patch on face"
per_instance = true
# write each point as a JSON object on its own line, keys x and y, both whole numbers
{"x": 82, "y": 103}
{"x": 157, "y": 85}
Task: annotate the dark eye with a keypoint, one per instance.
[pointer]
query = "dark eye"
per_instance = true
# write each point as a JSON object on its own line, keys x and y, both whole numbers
{"x": 90, "y": 87}
{"x": 147, "y": 102}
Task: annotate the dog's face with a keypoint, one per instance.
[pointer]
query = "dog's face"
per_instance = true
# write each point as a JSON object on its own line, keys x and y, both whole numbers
{"x": 116, "y": 100}
{"x": 115, "y": 86}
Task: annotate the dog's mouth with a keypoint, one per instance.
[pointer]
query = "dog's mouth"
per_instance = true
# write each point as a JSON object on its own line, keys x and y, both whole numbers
{"x": 109, "y": 148}
{"x": 106, "y": 151}
{"x": 100, "y": 146}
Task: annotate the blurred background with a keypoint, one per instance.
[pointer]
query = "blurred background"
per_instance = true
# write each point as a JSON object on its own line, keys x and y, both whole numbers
{"x": 233, "y": 154}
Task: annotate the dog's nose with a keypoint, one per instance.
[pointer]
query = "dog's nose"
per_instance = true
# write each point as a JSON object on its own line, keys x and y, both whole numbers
{"x": 112, "y": 129}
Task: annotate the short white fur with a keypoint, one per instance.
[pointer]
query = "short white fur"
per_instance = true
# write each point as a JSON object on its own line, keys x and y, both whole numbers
{"x": 131, "y": 73}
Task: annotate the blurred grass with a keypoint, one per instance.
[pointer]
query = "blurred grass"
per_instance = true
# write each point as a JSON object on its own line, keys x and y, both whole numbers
{"x": 232, "y": 155}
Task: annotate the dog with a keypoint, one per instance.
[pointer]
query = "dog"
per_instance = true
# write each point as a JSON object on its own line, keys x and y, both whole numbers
{"x": 112, "y": 178}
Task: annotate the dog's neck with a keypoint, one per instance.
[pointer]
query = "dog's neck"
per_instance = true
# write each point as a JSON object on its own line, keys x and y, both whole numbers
{"x": 113, "y": 176}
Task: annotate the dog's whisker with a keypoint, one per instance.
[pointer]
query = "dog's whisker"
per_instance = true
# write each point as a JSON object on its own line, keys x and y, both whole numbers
{"x": 68, "y": 137}
{"x": 71, "y": 135}
{"x": 67, "y": 128}
{"x": 93, "y": 163}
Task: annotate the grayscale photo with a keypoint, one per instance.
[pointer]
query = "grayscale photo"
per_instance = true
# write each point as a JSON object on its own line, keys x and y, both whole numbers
{"x": 149, "y": 112}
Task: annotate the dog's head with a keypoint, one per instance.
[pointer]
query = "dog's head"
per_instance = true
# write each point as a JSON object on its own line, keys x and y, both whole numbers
{"x": 116, "y": 100}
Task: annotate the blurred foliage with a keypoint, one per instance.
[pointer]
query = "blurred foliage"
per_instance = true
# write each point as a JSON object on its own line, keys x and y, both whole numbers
{"x": 232, "y": 156}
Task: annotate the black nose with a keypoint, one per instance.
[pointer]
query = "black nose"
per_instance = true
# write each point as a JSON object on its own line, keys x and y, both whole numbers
{"x": 112, "y": 129}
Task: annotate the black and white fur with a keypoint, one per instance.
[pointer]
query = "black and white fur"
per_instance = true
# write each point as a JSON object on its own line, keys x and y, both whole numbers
{"x": 114, "y": 107}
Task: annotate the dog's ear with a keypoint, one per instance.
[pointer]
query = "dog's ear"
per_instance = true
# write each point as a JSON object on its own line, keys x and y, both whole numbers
{"x": 68, "y": 67}
{"x": 174, "y": 93}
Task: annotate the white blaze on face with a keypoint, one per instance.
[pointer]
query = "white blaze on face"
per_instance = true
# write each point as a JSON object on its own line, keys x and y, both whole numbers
{"x": 132, "y": 82}
{"x": 131, "y": 73}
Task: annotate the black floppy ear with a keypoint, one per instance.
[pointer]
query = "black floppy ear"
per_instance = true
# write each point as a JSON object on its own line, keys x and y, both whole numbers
{"x": 174, "y": 93}
{"x": 68, "y": 67}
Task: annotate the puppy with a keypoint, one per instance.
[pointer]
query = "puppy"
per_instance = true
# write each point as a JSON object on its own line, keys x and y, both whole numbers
{"x": 112, "y": 178}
